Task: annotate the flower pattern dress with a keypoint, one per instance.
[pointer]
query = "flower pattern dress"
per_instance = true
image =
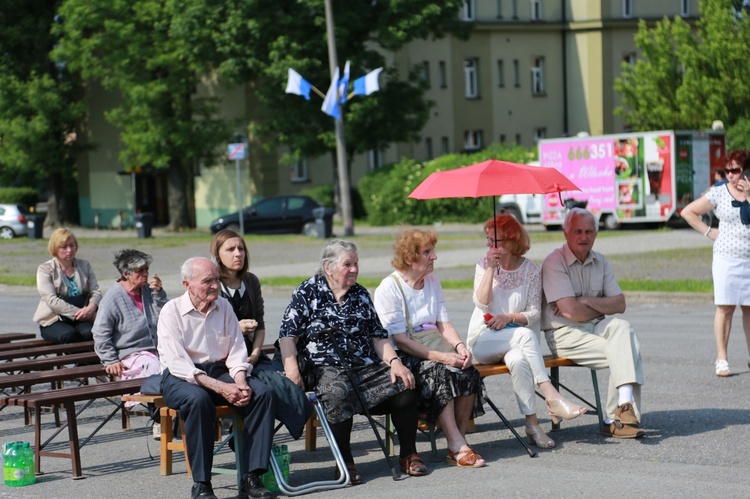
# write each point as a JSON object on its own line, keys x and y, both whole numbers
{"x": 313, "y": 311}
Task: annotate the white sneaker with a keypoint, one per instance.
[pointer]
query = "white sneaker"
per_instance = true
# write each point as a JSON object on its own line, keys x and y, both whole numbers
{"x": 156, "y": 431}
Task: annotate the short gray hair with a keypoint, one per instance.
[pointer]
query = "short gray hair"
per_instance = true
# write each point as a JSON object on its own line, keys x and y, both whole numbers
{"x": 128, "y": 261}
{"x": 187, "y": 270}
{"x": 332, "y": 253}
{"x": 578, "y": 212}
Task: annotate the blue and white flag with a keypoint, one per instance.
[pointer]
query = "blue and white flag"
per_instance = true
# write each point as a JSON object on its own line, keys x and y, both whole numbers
{"x": 331, "y": 102}
{"x": 295, "y": 84}
{"x": 368, "y": 83}
{"x": 344, "y": 84}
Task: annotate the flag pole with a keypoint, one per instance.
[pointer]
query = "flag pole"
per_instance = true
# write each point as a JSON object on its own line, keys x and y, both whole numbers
{"x": 321, "y": 94}
{"x": 343, "y": 171}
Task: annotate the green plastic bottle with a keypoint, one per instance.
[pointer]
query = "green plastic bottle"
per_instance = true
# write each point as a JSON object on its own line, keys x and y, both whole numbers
{"x": 285, "y": 461}
{"x": 28, "y": 465}
{"x": 16, "y": 465}
{"x": 7, "y": 464}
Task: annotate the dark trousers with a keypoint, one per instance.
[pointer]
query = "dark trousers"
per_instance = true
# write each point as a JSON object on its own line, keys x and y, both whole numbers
{"x": 197, "y": 408}
{"x": 67, "y": 332}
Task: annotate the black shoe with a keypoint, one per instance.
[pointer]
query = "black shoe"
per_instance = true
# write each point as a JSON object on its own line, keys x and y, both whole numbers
{"x": 202, "y": 490}
{"x": 253, "y": 487}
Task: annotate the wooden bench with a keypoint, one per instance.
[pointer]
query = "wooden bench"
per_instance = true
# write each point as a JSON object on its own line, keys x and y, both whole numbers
{"x": 19, "y": 366}
{"x": 67, "y": 397}
{"x": 19, "y": 345}
{"x": 553, "y": 364}
{"x": 23, "y": 382}
{"x": 39, "y": 351}
{"x": 8, "y": 337}
{"x": 167, "y": 417}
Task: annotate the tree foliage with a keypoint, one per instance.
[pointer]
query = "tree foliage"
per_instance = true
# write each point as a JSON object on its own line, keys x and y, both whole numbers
{"x": 282, "y": 34}
{"x": 385, "y": 191}
{"x": 153, "y": 53}
{"x": 40, "y": 107}
{"x": 686, "y": 79}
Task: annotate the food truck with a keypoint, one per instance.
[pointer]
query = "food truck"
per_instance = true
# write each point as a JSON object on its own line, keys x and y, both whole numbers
{"x": 632, "y": 177}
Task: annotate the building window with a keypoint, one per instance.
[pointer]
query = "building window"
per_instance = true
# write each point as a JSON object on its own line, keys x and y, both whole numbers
{"x": 425, "y": 73}
{"x": 500, "y": 73}
{"x": 513, "y": 9}
{"x": 539, "y": 134}
{"x": 685, "y": 8}
{"x": 444, "y": 149}
{"x": 375, "y": 159}
{"x": 428, "y": 148}
{"x": 472, "y": 140}
{"x": 299, "y": 171}
{"x": 470, "y": 77}
{"x": 468, "y": 11}
{"x": 627, "y": 9}
{"x": 502, "y": 138}
{"x": 499, "y": 8}
{"x": 516, "y": 74}
{"x": 536, "y": 10}
{"x": 537, "y": 77}
{"x": 518, "y": 138}
{"x": 442, "y": 75}
{"x": 629, "y": 58}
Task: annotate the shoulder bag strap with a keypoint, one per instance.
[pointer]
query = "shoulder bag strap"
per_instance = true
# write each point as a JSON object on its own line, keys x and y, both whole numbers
{"x": 410, "y": 330}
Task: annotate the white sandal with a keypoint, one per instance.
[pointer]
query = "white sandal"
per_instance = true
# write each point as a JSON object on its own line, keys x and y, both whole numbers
{"x": 722, "y": 368}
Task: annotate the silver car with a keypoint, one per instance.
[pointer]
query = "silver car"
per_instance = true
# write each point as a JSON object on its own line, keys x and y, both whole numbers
{"x": 13, "y": 220}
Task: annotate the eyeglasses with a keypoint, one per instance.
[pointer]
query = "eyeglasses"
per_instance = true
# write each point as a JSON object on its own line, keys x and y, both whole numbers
{"x": 495, "y": 241}
{"x": 733, "y": 171}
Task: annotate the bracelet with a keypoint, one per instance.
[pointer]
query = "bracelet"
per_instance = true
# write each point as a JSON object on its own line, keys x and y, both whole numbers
{"x": 707, "y": 231}
{"x": 390, "y": 362}
{"x": 455, "y": 347}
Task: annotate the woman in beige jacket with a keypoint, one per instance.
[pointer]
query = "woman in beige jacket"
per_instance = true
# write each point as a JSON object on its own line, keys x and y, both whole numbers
{"x": 69, "y": 292}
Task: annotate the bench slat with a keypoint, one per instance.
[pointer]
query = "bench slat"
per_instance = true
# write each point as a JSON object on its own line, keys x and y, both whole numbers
{"x": 83, "y": 346}
{"x": 8, "y": 337}
{"x": 47, "y": 362}
{"x": 54, "y": 375}
{"x": 50, "y": 398}
{"x": 19, "y": 345}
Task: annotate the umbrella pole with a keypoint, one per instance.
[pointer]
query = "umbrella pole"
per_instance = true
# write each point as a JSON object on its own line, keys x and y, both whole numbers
{"x": 494, "y": 222}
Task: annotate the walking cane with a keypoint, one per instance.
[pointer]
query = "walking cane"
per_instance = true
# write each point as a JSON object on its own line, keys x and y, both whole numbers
{"x": 348, "y": 368}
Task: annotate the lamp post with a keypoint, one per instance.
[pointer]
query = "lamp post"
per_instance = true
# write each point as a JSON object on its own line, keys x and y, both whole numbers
{"x": 343, "y": 171}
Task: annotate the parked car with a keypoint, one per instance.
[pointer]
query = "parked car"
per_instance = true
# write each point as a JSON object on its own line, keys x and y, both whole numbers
{"x": 274, "y": 215}
{"x": 13, "y": 220}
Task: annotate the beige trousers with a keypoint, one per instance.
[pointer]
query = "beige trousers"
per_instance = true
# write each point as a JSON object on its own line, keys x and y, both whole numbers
{"x": 611, "y": 343}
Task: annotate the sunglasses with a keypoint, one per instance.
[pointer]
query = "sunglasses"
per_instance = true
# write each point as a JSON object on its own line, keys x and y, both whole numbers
{"x": 733, "y": 171}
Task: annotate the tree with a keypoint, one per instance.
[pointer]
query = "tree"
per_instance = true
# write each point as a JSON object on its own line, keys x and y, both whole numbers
{"x": 282, "y": 34}
{"x": 154, "y": 53}
{"x": 40, "y": 107}
{"x": 686, "y": 80}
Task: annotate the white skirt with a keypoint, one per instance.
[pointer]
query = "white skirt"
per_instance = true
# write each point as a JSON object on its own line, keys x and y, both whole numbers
{"x": 731, "y": 280}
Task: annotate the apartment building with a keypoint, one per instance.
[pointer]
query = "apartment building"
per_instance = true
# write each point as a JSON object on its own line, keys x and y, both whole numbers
{"x": 531, "y": 69}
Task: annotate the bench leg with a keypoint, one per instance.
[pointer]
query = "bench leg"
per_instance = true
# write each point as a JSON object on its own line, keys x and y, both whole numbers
{"x": 165, "y": 441}
{"x": 75, "y": 451}
{"x": 529, "y": 450}
{"x": 555, "y": 378}
{"x": 389, "y": 431}
{"x": 599, "y": 410}
{"x": 311, "y": 428}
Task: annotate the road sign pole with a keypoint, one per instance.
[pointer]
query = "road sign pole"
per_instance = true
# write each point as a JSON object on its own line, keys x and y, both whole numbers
{"x": 239, "y": 197}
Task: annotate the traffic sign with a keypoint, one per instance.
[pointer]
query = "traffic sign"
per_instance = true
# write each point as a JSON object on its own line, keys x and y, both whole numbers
{"x": 236, "y": 151}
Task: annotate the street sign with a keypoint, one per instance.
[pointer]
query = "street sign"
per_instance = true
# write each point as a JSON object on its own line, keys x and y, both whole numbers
{"x": 236, "y": 151}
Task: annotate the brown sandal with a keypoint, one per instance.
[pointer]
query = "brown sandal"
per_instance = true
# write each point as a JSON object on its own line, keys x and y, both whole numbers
{"x": 354, "y": 477}
{"x": 413, "y": 465}
{"x": 465, "y": 459}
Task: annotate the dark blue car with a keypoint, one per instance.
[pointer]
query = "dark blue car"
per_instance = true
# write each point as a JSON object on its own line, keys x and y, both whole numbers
{"x": 274, "y": 215}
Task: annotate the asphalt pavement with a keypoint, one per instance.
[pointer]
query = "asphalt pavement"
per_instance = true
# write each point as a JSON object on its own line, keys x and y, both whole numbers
{"x": 696, "y": 423}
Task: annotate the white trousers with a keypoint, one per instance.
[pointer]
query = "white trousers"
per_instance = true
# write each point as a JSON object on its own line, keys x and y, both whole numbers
{"x": 520, "y": 350}
{"x": 611, "y": 343}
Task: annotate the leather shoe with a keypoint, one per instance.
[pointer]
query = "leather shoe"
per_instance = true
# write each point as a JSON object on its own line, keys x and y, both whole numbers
{"x": 618, "y": 430}
{"x": 253, "y": 487}
{"x": 202, "y": 490}
{"x": 626, "y": 415}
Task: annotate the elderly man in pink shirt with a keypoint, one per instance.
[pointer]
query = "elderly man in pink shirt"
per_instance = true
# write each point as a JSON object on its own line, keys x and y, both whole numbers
{"x": 204, "y": 363}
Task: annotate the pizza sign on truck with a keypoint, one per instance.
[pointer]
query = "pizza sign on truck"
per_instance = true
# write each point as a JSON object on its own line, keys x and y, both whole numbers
{"x": 632, "y": 177}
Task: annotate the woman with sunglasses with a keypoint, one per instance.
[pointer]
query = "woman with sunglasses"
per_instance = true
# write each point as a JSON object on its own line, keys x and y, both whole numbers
{"x": 505, "y": 323}
{"x": 731, "y": 252}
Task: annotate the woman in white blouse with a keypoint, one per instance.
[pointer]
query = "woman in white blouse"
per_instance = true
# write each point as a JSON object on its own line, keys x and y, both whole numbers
{"x": 505, "y": 322}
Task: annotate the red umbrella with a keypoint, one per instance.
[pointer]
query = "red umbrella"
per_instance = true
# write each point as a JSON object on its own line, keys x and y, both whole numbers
{"x": 492, "y": 178}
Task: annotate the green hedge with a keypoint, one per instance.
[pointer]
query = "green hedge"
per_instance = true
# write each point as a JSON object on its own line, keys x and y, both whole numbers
{"x": 19, "y": 195}
{"x": 385, "y": 191}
